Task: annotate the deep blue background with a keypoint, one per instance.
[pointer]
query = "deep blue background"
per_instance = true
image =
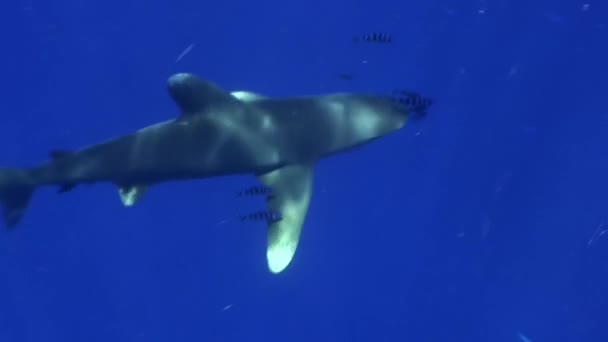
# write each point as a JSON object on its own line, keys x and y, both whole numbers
{"x": 472, "y": 225}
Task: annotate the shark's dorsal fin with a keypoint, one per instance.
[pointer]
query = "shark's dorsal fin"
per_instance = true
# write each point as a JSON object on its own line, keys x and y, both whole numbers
{"x": 194, "y": 95}
{"x": 292, "y": 189}
{"x": 131, "y": 194}
{"x": 247, "y": 96}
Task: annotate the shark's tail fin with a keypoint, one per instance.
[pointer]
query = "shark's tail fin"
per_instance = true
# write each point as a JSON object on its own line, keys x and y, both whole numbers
{"x": 16, "y": 190}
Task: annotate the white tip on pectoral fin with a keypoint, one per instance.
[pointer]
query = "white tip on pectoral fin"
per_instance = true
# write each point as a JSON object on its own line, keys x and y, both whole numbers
{"x": 130, "y": 195}
{"x": 247, "y": 96}
{"x": 291, "y": 191}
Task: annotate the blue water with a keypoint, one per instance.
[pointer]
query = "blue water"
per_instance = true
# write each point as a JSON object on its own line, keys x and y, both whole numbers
{"x": 482, "y": 222}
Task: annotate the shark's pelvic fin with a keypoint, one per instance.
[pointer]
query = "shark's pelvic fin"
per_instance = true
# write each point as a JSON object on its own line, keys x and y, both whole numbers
{"x": 292, "y": 189}
{"x": 247, "y": 96}
{"x": 131, "y": 195}
{"x": 194, "y": 95}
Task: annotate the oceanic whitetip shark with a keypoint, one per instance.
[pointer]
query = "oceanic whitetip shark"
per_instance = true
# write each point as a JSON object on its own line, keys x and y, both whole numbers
{"x": 218, "y": 133}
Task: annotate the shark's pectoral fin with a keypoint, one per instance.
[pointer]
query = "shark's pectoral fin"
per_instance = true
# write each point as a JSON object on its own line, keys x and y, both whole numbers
{"x": 292, "y": 188}
{"x": 131, "y": 194}
{"x": 193, "y": 95}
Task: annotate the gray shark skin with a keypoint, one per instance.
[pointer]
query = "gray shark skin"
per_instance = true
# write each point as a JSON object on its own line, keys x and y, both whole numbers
{"x": 218, "y": 133}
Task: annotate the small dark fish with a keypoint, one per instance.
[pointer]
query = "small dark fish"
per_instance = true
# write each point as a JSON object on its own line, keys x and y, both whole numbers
{"x": 255, "y": 190}
{"x": 412, "y": 101}
{"x": 263, "y": 215}
{"x": 382, "y": 38}
{"x": 345, "y": 76}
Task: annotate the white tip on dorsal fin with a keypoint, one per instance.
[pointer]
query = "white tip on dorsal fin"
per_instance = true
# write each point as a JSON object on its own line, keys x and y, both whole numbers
{"x": 247, "y": 96}
{"x": 291, "y": 191}
{"x": 131, "y": 195}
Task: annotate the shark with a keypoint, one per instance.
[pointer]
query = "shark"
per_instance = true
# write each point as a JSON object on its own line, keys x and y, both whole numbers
{"x": 219, "y": 133}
